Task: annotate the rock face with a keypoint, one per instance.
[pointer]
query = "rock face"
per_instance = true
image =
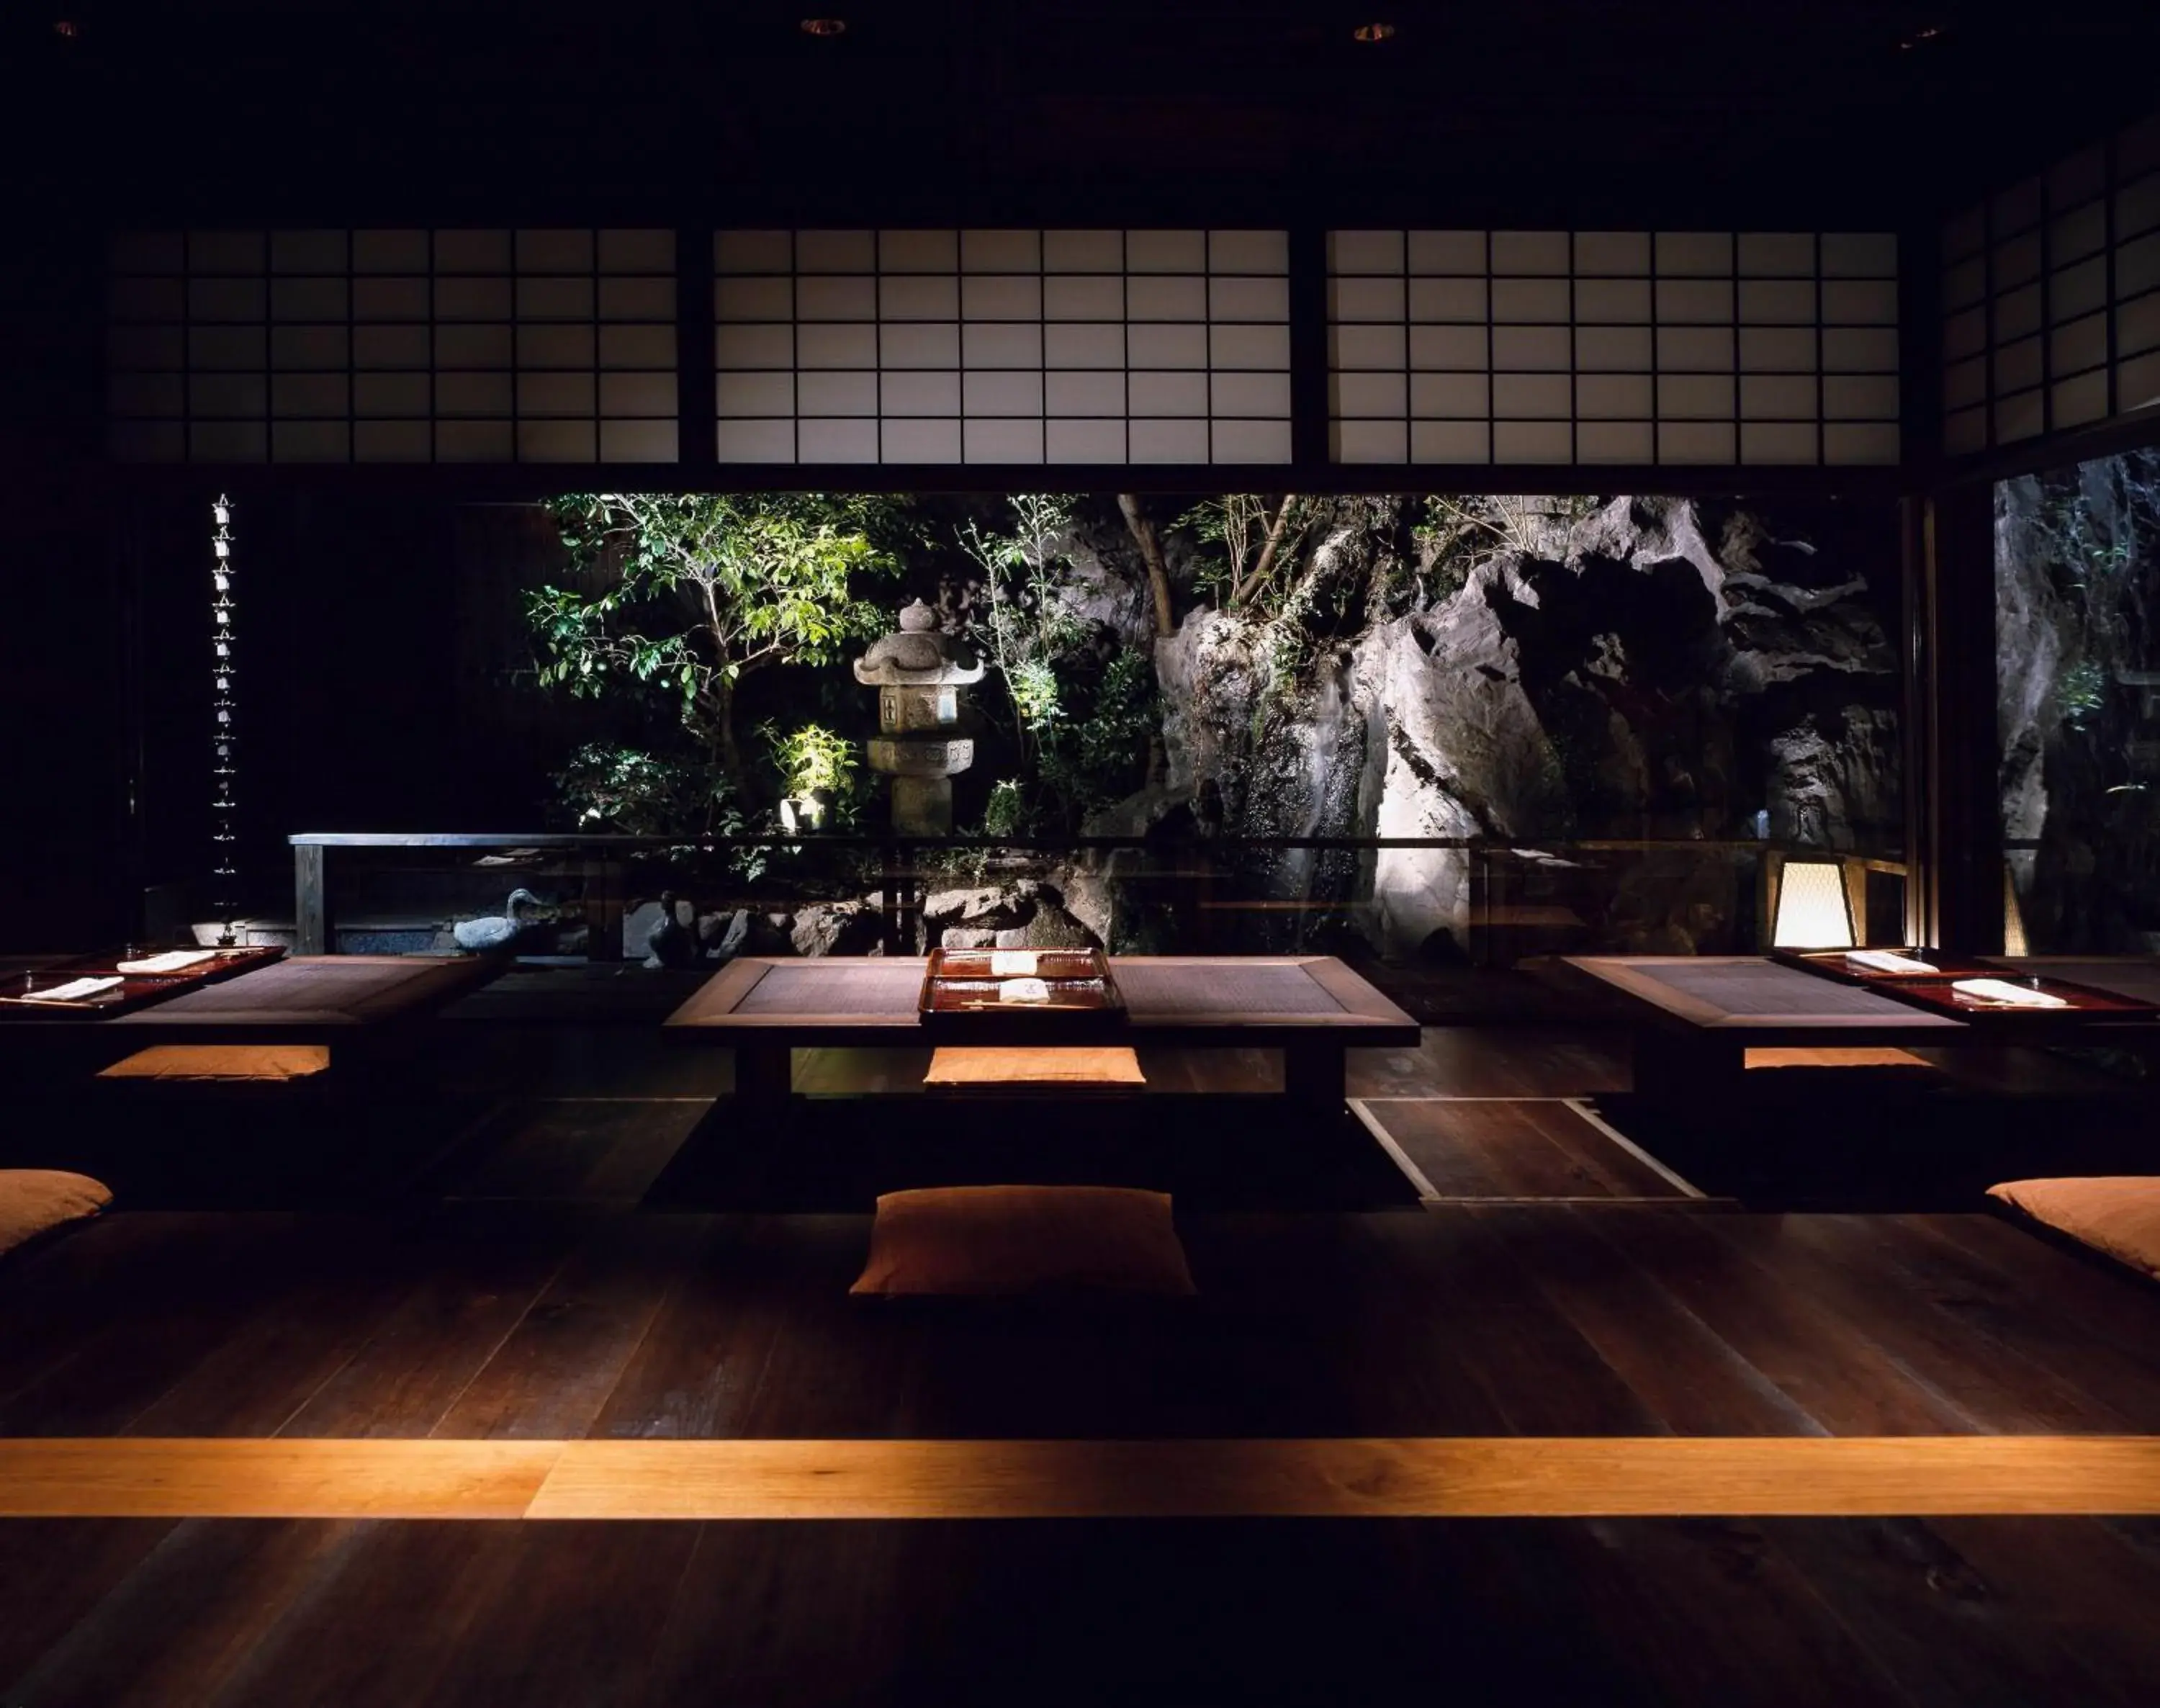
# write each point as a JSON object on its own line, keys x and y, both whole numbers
{"x": 1659, "y": 668}
{"x": 1023, "y": 914}
{"x": 837, "y": 928}
{"x": 2077, "y": 621}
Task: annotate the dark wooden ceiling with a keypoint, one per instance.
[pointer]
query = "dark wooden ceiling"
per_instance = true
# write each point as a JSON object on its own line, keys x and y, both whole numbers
{"x": 1528, "y": 112}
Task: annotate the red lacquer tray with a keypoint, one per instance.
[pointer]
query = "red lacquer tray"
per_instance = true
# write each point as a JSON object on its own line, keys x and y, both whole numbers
{"x": 1839, "y": 964}
{"x": 136, "y": 989}
{"x": 961, "y": 985}
{"x": 2081, "y": 1002}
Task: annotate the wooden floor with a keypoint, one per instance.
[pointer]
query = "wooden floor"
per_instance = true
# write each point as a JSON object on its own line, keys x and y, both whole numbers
{"x": 492, "y": 1321}
{"x": 498, "y": 1310}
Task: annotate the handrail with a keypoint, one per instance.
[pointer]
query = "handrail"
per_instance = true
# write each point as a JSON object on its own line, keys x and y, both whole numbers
{"x": 883, "y": 840}
{"x": 605, "y": 867}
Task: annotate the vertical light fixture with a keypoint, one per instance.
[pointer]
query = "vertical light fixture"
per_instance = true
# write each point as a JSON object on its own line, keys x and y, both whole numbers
{"x": 225, "y": 810}
{"x": 1814, "y": 910}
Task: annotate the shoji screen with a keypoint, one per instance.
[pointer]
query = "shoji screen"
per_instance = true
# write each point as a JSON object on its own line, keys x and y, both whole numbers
{"x": 2051, "y": 299}
{"x": 1002, "y": 346}
{"x": 1679, "y": 347}
{"x": 393, "y": 346}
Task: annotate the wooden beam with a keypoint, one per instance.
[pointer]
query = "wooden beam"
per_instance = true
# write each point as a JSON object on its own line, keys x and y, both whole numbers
{"x": 1466, "y": 1477}
{"x": 236, "y": 1478}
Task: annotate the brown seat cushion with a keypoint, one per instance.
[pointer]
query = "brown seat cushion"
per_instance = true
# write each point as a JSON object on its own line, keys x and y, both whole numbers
{"x": 34, "y": 1201}
{"x": 2118, "y": 1214}
{"x": 1066, "y": 1068}
{"x": 1768, "y": 1056}
{"x": 271, "y": 1064}
{"x": 985, "y": 1241}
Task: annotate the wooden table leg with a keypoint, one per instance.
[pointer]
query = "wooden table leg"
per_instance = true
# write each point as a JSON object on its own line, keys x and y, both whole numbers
{"x": 1673, "y": 1068}
{"x": 311, "y": 900}
{"x": 765, "y": 1076}
{"x": 1315, "y": 1075}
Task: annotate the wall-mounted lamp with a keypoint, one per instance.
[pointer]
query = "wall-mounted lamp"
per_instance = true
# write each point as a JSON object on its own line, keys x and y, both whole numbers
{"x": 1814, "y": 909}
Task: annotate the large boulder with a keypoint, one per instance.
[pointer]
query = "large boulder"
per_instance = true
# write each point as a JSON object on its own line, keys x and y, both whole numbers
{"x": 1652, "y": 668}
{"x": 837, "y": 928}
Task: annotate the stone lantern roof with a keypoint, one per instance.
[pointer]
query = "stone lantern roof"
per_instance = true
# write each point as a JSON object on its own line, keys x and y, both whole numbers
{"x": 918, "y": 656}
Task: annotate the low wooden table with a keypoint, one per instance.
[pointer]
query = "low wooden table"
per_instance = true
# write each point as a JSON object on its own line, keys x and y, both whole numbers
{"x": 1311, "y": 1007}
{"x": 310, "y": 999}
{"x": 1699, "y": 1015}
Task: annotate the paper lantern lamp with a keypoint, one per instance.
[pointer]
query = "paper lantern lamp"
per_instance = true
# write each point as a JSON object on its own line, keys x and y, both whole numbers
{"x": 1814, "y": 910}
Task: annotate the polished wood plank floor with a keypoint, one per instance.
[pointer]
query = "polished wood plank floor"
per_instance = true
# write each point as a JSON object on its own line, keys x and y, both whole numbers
{"x": 486, "y": 1320}
{"x": 469, "y": 1273}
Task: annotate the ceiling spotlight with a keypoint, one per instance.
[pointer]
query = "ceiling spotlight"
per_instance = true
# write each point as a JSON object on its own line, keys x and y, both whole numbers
{"x": 824, "y": 26}
{"x": 1373, "y": 32}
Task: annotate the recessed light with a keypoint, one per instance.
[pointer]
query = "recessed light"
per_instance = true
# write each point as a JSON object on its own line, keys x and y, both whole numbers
{"x": 824, "y": 26}
{"x": 1373, "y": 32}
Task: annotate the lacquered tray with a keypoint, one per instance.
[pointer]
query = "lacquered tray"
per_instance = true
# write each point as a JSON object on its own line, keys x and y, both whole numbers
{"x": 136, "y": 990}
{"x": 2081, "y": 1003}
{"x": 1838, "y": 964}
{"x": 959, "y": 986}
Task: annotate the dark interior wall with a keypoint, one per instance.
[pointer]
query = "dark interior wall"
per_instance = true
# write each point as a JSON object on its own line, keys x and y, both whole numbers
{"x": 64, "y": 770}
{"x": 379, "y": 649}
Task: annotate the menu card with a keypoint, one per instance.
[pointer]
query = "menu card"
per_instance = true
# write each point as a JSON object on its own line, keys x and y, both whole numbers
{"x": 76, "y": 990}
{"x": 173, "y": 961}
{"x": 1885, "y": 961}
{"x": 2008, "y": 995}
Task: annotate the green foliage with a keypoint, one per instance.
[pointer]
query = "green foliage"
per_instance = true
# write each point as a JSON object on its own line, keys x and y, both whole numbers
{"x": 1457, "y": 532}
{"x": 1097, "y": 753}
{"x": 1082, "y": 723}
{"x": 1005, "y": 813}
{"x": 626, "y": 789}
{"x": 1240, "y": 572}
{"x": 1030, "y": 626}
{"x": 810, "y": 757}
{"x": 681, "y": 594}
{"x": 2080, "y": 693}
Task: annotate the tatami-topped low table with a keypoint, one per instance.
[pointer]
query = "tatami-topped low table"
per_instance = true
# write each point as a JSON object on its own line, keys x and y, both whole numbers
{"x": 1311, "y": 1007}
{"x": 1700, "y": 1013}
{"x": 311, "y": 998}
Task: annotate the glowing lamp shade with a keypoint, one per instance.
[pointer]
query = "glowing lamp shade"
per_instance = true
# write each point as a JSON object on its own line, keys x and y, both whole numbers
{"x": 1813, "y": 911}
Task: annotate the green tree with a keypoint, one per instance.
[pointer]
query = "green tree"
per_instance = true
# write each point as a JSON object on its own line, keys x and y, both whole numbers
{"x": 688, "y": 593}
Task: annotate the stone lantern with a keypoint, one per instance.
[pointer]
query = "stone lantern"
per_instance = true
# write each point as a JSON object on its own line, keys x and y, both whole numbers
{"x": 918, "y": 673}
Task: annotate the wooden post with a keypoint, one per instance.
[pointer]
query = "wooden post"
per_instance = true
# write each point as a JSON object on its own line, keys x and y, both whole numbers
{"x": 1316, "y": 1076}
{"x": 1677, "y": 1069}
{"x": 604, "y": 908}
{"x": 311, "y": 902}
{"x": 765, "y": 1076}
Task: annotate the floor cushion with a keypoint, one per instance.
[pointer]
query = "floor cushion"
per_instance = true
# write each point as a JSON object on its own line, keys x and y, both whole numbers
{"x": 1065, "y": 1068}
{"x": 985, "y": 1241}
{"x": 2117, "y": 1214}
{"x": 1770, "y": 1056}
{"x": 34, "y": 1201}
{"x": 229, "y": 1064}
